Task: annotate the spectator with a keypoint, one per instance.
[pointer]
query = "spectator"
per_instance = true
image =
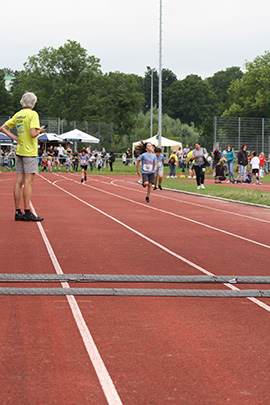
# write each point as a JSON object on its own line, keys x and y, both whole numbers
{"x": 28, "y": 128}
{"x": 124, "y": 158}
{"x": 92, "y": 160}
{"x": 99, "y": 162}
{"x": 179, "y": 157}
{"x": 255, "y": 168}
{"x": 49, "y": 162}
{"x": 172, "y": 165}
{"x": 55, "y": 157}
{"x": 230, "y": 158}
{"x": 75, "y": 160}
{"x": 220, "y": 171}
{"x": 242, "y": 161}
{"x": 111, "y": 160}
{"x": 216, "y": 157}
{"x": 69, "y": 163}
{"x": 103, "y": 156}
{"x": 263, "y": 163}
{"x": 6, "y": 161}
{"x": 189, "y": 163}
{"x": 128, "y": 154}
{"x": 61, "y": 150}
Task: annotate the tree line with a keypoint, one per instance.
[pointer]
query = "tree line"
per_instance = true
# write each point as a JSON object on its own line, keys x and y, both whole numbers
{"x": 70, "y": 85}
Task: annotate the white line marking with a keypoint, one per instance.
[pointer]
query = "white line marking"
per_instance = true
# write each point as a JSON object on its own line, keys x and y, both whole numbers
{"x": 192, "y": 203}
{"x": 175, "y": 215}
{"x": 101, "y": 371}
{"x": 199, "y": 268}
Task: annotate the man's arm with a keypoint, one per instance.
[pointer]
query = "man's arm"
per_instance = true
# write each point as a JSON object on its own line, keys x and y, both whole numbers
{"x": 5, "y": 129}
{"x": 35, "y": 132}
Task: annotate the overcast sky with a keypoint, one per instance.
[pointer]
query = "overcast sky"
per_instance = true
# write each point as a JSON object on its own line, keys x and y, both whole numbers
{"x": 199, "y": 37}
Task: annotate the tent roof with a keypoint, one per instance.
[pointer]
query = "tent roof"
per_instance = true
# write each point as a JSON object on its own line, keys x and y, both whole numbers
{"x": 79, "y": 136}
{"x": 164, "y": 141}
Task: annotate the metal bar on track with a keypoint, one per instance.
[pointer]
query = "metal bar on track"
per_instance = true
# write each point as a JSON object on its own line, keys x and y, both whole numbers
{"x": 135, "y": 292}
{"x": 113, "y": 278}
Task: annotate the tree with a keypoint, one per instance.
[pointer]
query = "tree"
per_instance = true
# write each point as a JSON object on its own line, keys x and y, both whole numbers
{"x": 5, "y": 97}
{"x": 222, "y": 80}
{"x": 61, "y": 78}
{"x": 250, "y": 96}
{"x": 190, "y": 100}
{"x": 168, "y": 77}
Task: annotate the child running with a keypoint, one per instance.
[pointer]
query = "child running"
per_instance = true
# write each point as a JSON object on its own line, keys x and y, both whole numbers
{"x": 148, "y": 166}
{"x": 159, "y": 171}
{"x": 84, "y": 159}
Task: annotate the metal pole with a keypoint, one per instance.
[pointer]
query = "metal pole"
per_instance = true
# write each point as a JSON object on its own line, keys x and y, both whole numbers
{"x": 160, "y": 78}
{"x": 262, "y": 135}
{"x": 151, "y": 119}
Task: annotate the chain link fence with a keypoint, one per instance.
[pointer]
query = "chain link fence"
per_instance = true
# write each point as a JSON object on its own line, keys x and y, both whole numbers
{"x": 101, "y": 130}
{"x": 236, "y": 131}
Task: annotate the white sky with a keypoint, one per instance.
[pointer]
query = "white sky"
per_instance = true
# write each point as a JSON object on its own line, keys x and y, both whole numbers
{"x": 199, "y": 37}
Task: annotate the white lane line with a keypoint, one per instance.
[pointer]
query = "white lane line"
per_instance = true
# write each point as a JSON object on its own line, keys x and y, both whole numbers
{"x": 199, "y": 268}
{"x": 104, "y": 378}
{"x": 175, "y": 215}
{"x": 194, "y": 204}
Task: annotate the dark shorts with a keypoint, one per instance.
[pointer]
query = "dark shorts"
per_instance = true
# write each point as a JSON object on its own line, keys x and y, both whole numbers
{"x": 26, "y": 164}
{"x": 148, "y": 178}
{"x": 84, "y": 167}
{"x": 255, "y": 171}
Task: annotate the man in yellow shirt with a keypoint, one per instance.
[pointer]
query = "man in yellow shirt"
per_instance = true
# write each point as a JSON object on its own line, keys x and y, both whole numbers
{"x": 28, "y": 128}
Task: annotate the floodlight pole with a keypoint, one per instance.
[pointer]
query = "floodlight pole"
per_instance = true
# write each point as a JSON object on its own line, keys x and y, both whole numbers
{"x": 151, "y": 118}
{"x": 160, "y": 77}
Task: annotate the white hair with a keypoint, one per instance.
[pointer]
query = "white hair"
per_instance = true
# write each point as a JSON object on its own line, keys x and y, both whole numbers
{"x": 28, "y": 100}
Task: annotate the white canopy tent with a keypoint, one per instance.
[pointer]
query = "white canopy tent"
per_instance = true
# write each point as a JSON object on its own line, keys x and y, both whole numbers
{"x": 78, "y": 136}
{"x": 165, "y": 142}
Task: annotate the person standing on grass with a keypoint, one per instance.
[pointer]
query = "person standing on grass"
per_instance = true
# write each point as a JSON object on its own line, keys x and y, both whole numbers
{"x": 255, "y": 168}
{"x": 159, "y": 171}
{"x": 230, "y": 158}
{"x": 172, "y": 164}
{"x": 84, "y": 160}
{"x": 28, "y": 128}
{"x": 148, "y": 162}
{"x": 199, "y": 164}
{"x": 243, "y": 162}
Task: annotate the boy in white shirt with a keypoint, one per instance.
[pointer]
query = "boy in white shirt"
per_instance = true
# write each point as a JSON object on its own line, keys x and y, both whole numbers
{"x": 255, "y": 166}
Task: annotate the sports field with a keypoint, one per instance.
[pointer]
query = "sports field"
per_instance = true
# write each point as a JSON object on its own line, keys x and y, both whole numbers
{"x": 114, "y": 349}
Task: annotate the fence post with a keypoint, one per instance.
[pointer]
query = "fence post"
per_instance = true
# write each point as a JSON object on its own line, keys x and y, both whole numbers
{"x": 239, "y": 133}
{"x": 215, "y": 132}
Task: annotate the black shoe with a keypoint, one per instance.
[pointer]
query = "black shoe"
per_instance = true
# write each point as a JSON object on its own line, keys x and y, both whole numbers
{"x": 19, "y": 217}
{"x": 143, "y": 185}
{"x": 160, "y": 187}
{"x": 32, "y": 217}
{"x": 85, "y": 178}
{"x": 155, "y": 188}
{"x": 147, "y": 199}
{"x": 82, "y": 181}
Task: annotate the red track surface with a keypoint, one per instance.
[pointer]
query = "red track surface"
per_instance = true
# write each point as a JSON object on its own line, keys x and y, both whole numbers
{"x": 155, "y": 350}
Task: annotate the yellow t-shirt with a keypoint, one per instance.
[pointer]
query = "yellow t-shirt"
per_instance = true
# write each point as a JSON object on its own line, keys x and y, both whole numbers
{"x": 24, "y": 120}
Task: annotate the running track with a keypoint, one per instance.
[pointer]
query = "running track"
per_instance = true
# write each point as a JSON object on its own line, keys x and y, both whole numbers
{"x": 132, "y": 350}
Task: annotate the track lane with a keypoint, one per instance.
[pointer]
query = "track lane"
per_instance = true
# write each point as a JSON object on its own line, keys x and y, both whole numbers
{"x": 161, "y": 349}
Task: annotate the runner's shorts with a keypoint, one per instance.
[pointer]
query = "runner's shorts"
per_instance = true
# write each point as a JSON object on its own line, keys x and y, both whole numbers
{"x": 148, "y": 178}
{"x": 26, "y": 164}
{"x": 159, "y": 171}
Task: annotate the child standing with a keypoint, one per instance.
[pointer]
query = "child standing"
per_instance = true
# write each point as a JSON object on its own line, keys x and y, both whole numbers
{"x": 49, "y": 162}
{"x": 159, "y": 171}
{"x": 148, "y": 166}
{"x": 69, "y": 163}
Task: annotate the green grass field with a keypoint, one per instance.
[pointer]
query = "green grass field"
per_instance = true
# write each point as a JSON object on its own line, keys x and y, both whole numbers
{"x": 233, "y": 192}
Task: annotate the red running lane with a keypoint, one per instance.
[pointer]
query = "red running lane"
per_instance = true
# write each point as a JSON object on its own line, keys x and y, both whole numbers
{"x": 183, "y": 350}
